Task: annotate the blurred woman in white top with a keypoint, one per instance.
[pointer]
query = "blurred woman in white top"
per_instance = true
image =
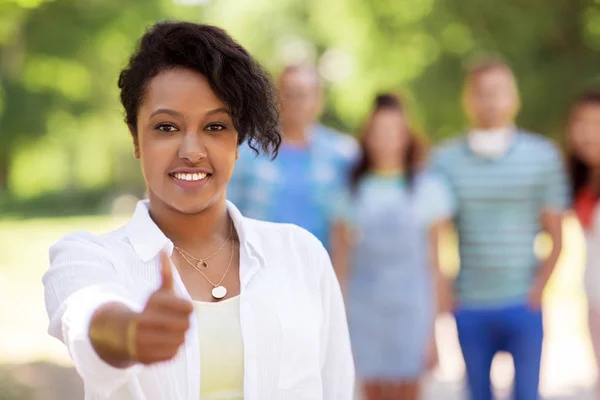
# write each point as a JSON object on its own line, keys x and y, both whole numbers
{"x": 190, "y": 299}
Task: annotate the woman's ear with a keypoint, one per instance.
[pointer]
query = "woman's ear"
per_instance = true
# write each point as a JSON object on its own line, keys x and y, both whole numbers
{"x": 136, "y": 143}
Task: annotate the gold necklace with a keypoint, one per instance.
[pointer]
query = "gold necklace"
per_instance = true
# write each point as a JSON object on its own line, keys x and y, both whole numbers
{"x": 201, "y": 262}
{"x": 218, "y": 291}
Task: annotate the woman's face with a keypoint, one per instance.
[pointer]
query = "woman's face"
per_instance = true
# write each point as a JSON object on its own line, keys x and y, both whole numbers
{"x": 584, "y": 133}
{"x": 186, "y": 142}
{"x": 387, "y": 136}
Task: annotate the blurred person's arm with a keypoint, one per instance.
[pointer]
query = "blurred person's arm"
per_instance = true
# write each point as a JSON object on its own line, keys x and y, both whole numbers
{"x": 555, "y": 201}
{"x": 341, "y": 244}
{"x": 441, "y": 204}
{"x": 443, "y": 284}
{"x": 440, "y": 208}
{"x": 342, "y": 236}
{"x": 551, "y": 221}
{"x": 342, "y": 230}
{"x": 337, "y": 364}
{"x": 443, "y": 289}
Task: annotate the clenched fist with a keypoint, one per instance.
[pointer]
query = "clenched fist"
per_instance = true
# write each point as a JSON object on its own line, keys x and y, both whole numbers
{"x": 156, "y": 333}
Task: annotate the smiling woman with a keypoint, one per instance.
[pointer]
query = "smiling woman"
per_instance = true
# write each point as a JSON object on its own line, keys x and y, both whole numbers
{"x": 180, "y": 123}
{"x": 239, "y": 308}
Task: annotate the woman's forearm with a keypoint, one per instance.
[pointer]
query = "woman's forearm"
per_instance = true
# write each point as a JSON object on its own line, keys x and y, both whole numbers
{"x": 340, "y": 252}
{"x": 442, "y": 285}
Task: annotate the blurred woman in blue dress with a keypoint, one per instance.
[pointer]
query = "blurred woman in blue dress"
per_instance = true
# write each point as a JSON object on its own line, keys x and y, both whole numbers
{"x": 385, "y": 251}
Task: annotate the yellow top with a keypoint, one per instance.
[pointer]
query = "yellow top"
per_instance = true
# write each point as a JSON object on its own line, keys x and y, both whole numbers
{"x": 221, "y": 350}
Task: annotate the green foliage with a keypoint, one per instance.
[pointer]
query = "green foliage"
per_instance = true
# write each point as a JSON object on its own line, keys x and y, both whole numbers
{"x": 420, "y": 47}
{"x": 64, "y": 203}
{"x": 60, "y": 120}
{"x": 59, "y": 109}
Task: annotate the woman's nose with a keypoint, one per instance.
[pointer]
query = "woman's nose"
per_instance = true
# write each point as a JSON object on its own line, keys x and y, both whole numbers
{"x": 192, "y": 149}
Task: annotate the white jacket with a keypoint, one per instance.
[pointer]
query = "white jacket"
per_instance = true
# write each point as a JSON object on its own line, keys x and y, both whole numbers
{"x": 296, "y": 342}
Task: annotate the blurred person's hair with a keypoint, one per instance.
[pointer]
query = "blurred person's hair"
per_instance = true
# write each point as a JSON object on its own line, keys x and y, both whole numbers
{"x": 482, "y": 64}
{"x": 235, "y": 77}
{"x": 413, "y": 153}
{"x": 302, "y": 68}
{"x": 579, "y": 170}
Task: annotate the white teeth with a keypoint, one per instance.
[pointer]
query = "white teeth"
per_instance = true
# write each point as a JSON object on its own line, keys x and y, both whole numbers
{"x": 189, "y": 177}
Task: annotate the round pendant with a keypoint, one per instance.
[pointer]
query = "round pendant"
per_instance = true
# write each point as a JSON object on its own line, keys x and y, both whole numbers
{"x": 219, "y": 292}
{"x": 202, "y": 265}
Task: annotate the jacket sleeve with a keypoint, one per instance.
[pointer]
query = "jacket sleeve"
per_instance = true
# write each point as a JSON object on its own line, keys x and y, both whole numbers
{"x": 81, "y": 278}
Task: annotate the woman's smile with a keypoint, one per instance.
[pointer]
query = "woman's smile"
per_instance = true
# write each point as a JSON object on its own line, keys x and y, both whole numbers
{"x": 190, "y": 178}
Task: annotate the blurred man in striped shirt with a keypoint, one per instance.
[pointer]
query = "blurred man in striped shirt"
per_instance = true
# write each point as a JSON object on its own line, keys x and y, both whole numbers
{"x": 509, "y": 185}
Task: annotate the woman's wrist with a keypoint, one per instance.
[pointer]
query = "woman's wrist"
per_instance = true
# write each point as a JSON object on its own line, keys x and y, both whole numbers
{"x": 110, "y": 333}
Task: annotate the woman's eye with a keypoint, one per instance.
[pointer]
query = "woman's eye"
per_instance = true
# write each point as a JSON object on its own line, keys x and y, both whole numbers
{"x": 215, "y": 127}
{"x": 166, "y": 128}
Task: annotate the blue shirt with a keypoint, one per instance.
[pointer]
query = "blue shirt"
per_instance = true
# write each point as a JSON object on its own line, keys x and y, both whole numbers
{"x": 499, "y": 201}
{"x": 297, "y": 187}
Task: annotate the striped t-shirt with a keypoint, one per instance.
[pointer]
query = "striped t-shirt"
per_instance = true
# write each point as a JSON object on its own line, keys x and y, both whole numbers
{"x": 499, "y": 202}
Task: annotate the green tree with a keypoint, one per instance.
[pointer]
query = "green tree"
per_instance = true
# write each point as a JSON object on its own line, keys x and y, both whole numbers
{"x": 58, "y": 70}
{"x": 420, "y": 47}
{"x": 60, "y": 121}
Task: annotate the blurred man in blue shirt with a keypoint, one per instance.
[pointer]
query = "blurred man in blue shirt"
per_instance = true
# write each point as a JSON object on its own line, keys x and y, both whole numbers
{"x": 313, "y": 162}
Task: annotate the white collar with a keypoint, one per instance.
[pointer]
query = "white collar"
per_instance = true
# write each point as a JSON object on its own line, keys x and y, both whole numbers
{"x": 491, "y": 143}
{"x": 148, "y": 240}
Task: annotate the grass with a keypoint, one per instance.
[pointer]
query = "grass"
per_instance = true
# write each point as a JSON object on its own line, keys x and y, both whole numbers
{"x": 24, "y": 245}
{"x": 23, "y": 260}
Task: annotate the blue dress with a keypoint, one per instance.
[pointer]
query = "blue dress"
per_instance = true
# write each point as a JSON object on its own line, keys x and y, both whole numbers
{"x": 389, "y": 295}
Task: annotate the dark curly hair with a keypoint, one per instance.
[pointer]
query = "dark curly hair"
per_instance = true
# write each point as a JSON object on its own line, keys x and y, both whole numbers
{"x": 235, "y": 77}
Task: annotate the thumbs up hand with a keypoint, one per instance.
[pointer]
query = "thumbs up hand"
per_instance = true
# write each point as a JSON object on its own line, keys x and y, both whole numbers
{"x": 155, "y": 334}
